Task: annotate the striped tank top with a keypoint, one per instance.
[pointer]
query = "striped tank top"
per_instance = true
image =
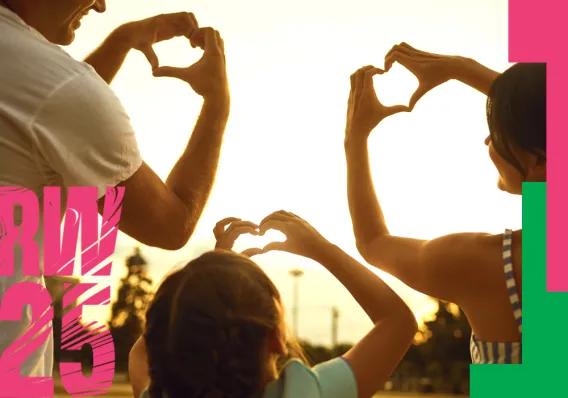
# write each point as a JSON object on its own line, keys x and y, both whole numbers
{"x": 502, "y": 353}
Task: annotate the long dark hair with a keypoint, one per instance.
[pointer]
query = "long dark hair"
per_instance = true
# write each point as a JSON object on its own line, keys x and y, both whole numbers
{"x": 516, "y": 112}
{"x": 207, "y": 326}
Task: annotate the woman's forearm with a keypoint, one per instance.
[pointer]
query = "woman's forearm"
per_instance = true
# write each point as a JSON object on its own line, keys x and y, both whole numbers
{"x": 366, "y": 213}
{"x": 475, "y": 75}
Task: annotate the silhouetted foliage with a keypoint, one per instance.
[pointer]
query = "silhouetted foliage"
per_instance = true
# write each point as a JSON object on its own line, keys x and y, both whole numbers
{"x": 127, "y": 317}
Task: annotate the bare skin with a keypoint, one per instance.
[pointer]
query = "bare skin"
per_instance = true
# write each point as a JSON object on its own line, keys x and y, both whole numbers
{"x": 154, "y": 212}
{"x": 464, "y": 268}
{"x": 377, "y": 355}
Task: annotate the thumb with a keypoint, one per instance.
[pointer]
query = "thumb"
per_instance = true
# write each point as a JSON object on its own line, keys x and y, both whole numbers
{"x": 252, "y": 252}
{"x": 151, "y": 57}
{"x": 419, "y": 93}
{"x": 275, "y": 246}
{"x": 169, "y": 71}
{"x": 392, "y": 110}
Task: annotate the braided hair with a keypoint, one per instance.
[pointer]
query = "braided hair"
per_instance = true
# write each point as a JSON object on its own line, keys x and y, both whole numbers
{"x": 207, "y": 330}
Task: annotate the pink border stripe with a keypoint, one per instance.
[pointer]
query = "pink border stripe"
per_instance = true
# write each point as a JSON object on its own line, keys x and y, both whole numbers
{"x": 537, "y": 33}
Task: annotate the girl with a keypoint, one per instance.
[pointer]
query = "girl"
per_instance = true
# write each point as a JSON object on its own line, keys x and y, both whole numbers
{"x": 482, "y": 273}
{"x": 216, "y": 329}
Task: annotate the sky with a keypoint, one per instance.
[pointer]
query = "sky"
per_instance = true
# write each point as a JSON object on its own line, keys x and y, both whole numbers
{"x": 289, "y": 65}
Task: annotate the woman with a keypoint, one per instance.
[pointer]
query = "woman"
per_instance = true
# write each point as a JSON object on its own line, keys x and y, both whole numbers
{"x": 216, "y": 328}
{"x": 482, "y": 273}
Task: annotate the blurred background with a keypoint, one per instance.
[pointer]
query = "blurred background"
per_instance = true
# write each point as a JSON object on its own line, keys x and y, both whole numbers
{"x": 289, "y": 65}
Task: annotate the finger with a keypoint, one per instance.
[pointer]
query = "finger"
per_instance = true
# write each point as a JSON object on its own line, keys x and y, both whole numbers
{"x": 252, "y": 252}
{"x": 221, "y": 225}
{"x": 419, "y": 93}
{"x": 151, "y": 56}
{"x": 277, "y": 215}
{"x": 210, "y": 41}
{"x": 169, "y": 71}
{"x": 189, "y": 22}
{"x": 233, "y": 234}
{"x": 368, "y": 77}
{"x": 402, "y": 48}
{"x": 275, "y": 224}
{"x": 197, "y": 39}
{"x": 275, "y": 246}
{"x": 359, "y": 81}
{"x": 392, "y": 110}
{"x": 405, "y": 60}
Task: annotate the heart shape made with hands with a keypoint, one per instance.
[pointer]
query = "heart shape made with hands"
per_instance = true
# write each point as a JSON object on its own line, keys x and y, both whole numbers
{"x": 396, "y": 86}
{"x": 174, "y": 53}
{"x": 255, "y": 243}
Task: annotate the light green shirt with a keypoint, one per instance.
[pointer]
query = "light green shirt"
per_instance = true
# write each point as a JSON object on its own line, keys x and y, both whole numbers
{"x": 332, "y": 379}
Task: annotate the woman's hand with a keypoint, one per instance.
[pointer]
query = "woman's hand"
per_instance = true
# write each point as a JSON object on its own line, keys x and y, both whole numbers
{"x": 302, "y": 238}
{"x": 364, "y": 110}
{"x": 226, "y": 236}
{"x": 431, "y": 70}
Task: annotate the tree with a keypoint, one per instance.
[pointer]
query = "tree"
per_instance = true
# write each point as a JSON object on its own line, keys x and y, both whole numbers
{"x": 447, "y": 346}
{"x": 127, "y": 319}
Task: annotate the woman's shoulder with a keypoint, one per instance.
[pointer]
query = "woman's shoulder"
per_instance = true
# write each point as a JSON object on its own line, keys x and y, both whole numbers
{"x": 330, "y": 379}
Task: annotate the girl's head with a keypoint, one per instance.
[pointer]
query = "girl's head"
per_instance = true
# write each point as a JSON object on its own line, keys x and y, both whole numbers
{"x": 516, "y": 114}
{"x": 215, "y": 329}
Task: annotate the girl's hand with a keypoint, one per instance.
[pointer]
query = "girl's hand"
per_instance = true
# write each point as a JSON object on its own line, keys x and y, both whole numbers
{"x": 364, "y": 110}
{"x": 226, "y": 236}
{"x": 302, "y": 238}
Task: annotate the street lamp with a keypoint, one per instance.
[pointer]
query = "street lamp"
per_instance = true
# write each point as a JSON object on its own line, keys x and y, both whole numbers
{"x": 296, "y": 274}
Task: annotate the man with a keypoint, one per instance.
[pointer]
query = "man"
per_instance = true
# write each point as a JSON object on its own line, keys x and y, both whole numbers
{"x": 61, "y": 125}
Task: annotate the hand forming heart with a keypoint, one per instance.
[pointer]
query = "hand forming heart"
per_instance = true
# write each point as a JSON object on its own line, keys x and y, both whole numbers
{"x": 365, "y": 111}
{"x": 430, "y": 69}
{"x": 142, "y": 35}
{"x": 302, "y": 238}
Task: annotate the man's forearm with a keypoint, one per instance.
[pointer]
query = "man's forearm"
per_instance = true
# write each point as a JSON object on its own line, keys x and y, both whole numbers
{"x": 475, "y": 75}
{"x": 192, "y": 178}
{"x": 366, "y": 214}
{"x": 111, "y": 54}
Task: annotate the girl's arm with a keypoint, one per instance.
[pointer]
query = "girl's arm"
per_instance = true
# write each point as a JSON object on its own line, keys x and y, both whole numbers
{"x": 378, "y": 354}
{"x": 375, "y": 357}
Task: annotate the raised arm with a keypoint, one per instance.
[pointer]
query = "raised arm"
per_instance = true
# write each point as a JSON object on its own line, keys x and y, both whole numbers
{"x": 443, "y": 267}
{"x": 95, "y": 145}
{"x": 165, "y": 215}
{"x": 432, "y": 70}
{"x": 375, "y": 357}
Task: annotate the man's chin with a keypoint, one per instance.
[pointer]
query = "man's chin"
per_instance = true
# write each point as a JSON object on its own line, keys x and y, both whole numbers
{"x": 66, "y": 38}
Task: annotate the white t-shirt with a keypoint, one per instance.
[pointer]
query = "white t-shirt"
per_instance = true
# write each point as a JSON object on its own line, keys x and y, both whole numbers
{"x": 60, "y": 125}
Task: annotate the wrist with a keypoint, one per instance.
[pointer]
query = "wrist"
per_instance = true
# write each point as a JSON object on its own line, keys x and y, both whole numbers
{"x": 323, "y": 250}
{"x": 355, "y": 142}
{"x": 218, "y": 104}
{"x": 459, "y": 67}
{"x": 122, "y": 37}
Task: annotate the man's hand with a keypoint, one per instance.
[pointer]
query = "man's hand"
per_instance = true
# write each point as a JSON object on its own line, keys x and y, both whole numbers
{"x": 142, "y": 35}
{"x": 364, "y": 110}
{"x": 226, "y": 236}
{"x": 208, "y": 76}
